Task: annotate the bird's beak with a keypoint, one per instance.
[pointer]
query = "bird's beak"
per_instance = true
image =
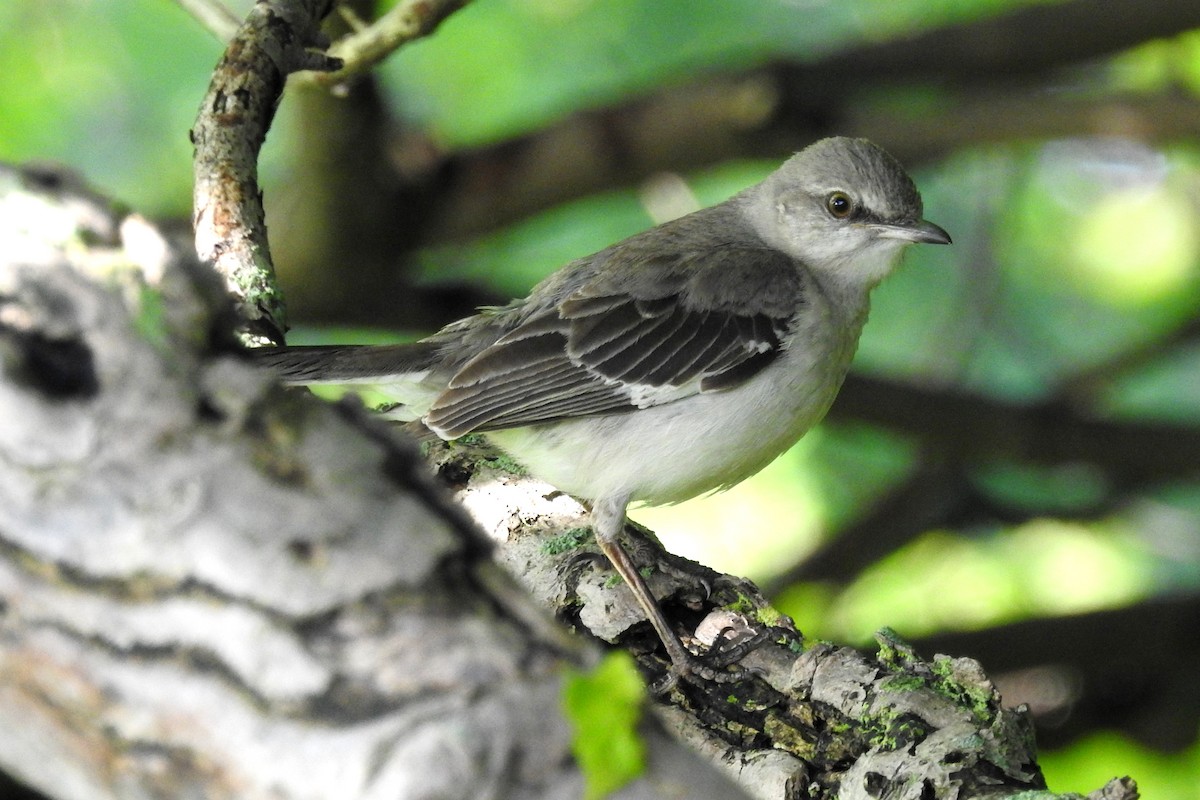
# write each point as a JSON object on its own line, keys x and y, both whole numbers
{"x": 923, "y": 232}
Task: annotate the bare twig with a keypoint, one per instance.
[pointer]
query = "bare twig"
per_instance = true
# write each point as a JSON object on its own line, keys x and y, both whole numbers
{"x": 214, "y": 16}
{"x": 234, "y": 117}
{"x": 369, "y": 45}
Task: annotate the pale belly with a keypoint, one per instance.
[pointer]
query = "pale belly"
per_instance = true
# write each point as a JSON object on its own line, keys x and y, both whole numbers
{"x": 672, "y": 452}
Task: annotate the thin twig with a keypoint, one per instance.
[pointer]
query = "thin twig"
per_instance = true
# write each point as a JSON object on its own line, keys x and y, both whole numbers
{"x": 363, "y": 49}
{"x": 278, "y": 38}
{"x": 214, "y": 16}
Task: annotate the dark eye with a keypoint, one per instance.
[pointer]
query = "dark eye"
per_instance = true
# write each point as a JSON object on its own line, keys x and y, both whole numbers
{"x": 839, "y": 204}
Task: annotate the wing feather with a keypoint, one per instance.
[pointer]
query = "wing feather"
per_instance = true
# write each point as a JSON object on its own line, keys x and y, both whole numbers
{"x": 626, "y": 358}
{"x": 600, "y": 351}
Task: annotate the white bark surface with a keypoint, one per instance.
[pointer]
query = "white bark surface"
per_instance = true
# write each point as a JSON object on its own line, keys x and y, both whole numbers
{"x": 213, "y": 588}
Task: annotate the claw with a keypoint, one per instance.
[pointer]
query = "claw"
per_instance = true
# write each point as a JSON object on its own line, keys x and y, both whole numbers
{"x": 701, "y": 669}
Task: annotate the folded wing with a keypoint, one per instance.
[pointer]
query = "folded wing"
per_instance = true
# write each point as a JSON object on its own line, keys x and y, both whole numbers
{"x": 600, "y": 352}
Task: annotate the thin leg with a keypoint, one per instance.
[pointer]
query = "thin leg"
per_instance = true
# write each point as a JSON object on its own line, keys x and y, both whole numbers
{"x": 608, "y": 519}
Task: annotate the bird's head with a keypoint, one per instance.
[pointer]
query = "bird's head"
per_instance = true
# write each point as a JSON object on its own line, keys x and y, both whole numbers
{"x": 843, "y": 207}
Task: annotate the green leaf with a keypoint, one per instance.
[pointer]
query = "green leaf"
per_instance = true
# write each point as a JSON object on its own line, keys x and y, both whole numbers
{"x": 604, "y": 707}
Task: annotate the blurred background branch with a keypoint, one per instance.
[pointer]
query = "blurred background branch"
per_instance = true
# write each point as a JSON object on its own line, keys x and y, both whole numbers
{"x": 213, "y": 15}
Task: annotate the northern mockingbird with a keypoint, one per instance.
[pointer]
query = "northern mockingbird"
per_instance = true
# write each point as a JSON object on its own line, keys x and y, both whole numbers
{"x": 676, "y": 362}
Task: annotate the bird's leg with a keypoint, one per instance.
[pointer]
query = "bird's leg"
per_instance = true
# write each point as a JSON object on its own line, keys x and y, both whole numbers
{"x": 608, "y": 520}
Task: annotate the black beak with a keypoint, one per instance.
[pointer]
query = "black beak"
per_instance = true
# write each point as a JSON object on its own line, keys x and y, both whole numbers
{"x": 922, "y": 232}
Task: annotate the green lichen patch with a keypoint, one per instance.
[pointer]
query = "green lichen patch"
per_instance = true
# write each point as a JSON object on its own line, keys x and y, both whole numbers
{"x": 566, "y": 541}
{"x": 960, "y": 681}
{"x": 470, "y": 440}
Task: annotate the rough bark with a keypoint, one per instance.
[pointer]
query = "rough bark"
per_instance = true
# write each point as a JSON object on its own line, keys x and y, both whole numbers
{"x": 236, "y": 112}
{"x": 213, "y": 588}
{"x": 810, "y": 719}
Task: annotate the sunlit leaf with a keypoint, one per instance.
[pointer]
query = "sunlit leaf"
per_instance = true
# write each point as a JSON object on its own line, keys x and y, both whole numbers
{"x": 604, "y": 707}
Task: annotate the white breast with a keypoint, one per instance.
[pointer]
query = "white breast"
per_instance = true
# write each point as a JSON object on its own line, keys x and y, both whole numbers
{"x": 672, "y": 452}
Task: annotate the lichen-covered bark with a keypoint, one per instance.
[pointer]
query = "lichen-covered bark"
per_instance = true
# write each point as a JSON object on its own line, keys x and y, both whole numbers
{"x": 212, "y": 588}
{"x": 235, "y": 115}
{"x": 811, "y": 719}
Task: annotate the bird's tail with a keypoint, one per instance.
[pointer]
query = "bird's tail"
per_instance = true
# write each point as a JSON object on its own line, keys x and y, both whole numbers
{"x": 347, "y": 364}
{"x": 395, "y": 373}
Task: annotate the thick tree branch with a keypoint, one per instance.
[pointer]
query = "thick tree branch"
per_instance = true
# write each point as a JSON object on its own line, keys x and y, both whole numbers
{"x": 814, "y": 719}
{"x": 212, "y": 588}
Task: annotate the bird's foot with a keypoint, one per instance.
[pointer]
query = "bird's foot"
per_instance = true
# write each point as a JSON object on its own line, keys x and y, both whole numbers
{"x": 699, "y": 669}
{"x": 718, "y": 665}
{"x": 728, "y": 651}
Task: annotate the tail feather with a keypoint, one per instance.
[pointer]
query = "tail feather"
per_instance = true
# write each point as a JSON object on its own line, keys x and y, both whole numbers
{"x": 343, "y": 364}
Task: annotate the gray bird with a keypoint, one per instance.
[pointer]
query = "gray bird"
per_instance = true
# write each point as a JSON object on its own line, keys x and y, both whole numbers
{"x": 679, "y": 361}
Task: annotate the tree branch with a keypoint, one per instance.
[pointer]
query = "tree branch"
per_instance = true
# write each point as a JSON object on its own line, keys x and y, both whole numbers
{"x": 981, "y": 429}
{"x": 363, "y": 49}
{"x": 815, "y": 719}
{"x": 213, "y": 588}
{"x": 229, "y": 132}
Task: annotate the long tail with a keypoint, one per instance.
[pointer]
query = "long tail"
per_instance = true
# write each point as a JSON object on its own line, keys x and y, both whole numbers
{"x": 348, "y": 363}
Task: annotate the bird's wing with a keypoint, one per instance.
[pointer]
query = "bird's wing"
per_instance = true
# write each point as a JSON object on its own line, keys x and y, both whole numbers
{"x": 600, "y": 351}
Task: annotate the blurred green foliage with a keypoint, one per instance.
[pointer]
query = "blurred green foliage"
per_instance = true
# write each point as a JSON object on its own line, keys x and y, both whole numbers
{"x": 604, "y": 706}
{"x": 944, "y": 582}
{"x": 510, "y": 66}
{"x": 1098, "y": 758}
{"x": 109, "y": 88}
{"x": 1069, "y": 256}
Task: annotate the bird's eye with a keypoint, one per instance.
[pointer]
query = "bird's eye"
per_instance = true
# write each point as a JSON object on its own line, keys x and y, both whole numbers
{"x": 839, "y": 204}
